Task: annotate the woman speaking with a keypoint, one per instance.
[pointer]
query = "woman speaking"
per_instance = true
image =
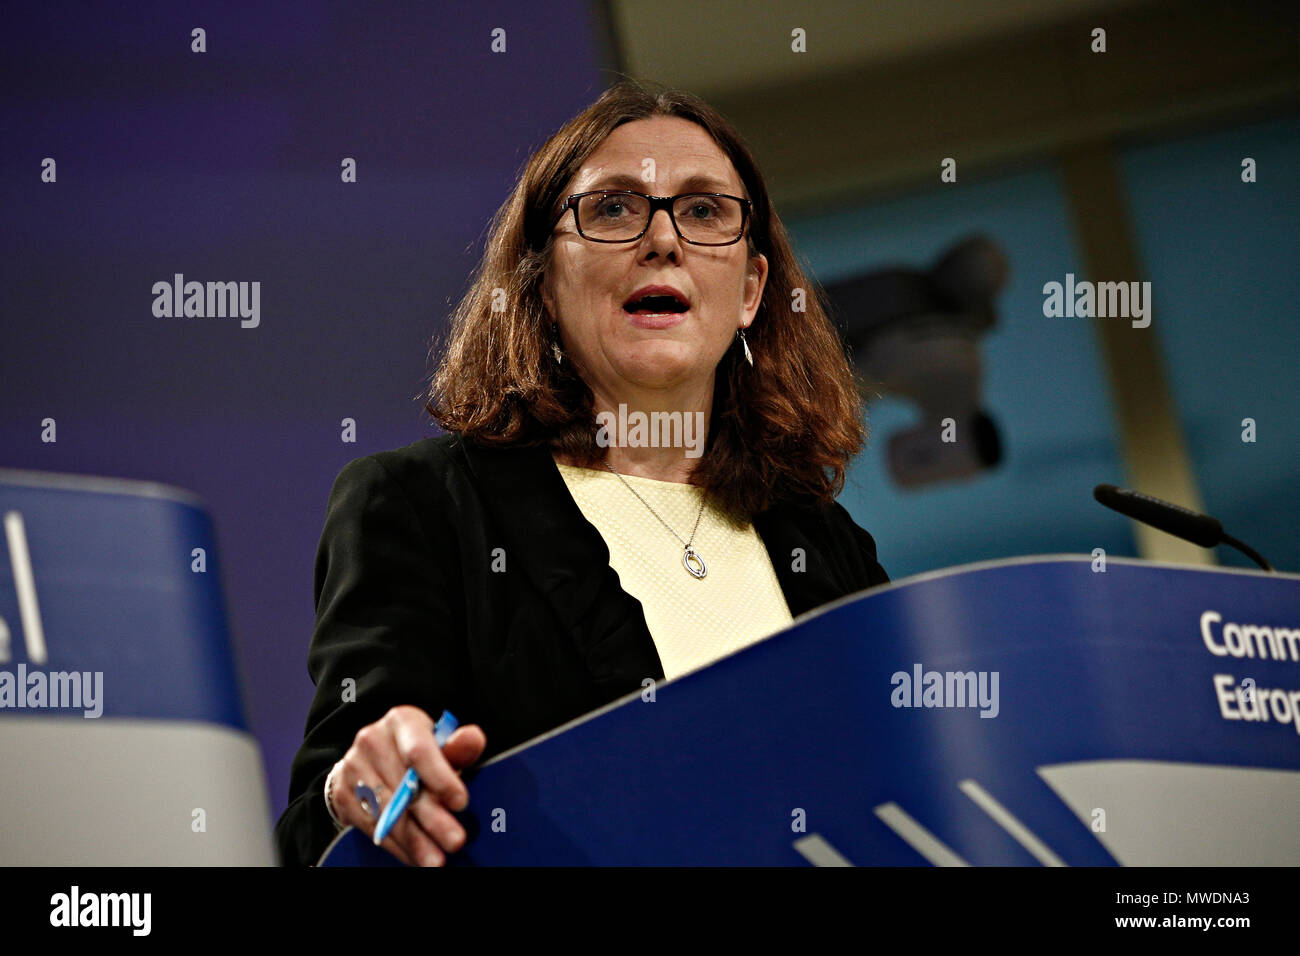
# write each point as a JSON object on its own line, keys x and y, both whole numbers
{"x": 647, "y": 420}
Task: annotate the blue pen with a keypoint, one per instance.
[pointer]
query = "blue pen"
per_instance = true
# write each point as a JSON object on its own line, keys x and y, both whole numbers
{"x": 410, "y": 785}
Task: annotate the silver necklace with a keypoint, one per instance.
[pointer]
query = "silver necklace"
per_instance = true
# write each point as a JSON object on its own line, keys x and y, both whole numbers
{"x": 690, "y": 557}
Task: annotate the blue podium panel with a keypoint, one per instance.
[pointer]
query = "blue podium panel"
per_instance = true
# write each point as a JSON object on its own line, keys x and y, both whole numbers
{"x": 1025, "y": 712}
{"x": 122, "y": 731}
{"x": 117, "y": 592}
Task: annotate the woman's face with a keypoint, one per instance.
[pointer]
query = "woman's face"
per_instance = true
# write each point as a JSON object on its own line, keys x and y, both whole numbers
{"x": 588, "y": 283}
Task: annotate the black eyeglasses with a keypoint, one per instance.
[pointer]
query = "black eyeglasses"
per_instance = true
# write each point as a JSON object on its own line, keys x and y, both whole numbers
{"x": 702, "y": 219}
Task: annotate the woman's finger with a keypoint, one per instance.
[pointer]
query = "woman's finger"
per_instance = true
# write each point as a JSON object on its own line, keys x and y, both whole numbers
{"x": 356, "y": 769}
{"x": 376, "y": 745}
{"x": 417, "y": 747}
{"x": 437, "y": 821}
{"x": 465, "y": 745}
{"x": 411, "y": 836}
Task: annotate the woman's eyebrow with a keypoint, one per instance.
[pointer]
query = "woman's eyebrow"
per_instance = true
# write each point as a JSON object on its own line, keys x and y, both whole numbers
{"x": 625, "y": 181}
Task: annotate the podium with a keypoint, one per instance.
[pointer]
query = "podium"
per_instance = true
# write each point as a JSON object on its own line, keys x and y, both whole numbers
{"x": 1032, "y": 711}
{"x": 122, "y": 732}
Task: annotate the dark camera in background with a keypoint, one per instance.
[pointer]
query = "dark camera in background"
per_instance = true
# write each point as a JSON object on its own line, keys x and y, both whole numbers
{"x": 915, "y": 334}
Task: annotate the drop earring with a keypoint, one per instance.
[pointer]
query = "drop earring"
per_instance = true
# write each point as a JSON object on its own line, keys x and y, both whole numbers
{"x": 749, "y": 356}
{"x": 555, "y": 344}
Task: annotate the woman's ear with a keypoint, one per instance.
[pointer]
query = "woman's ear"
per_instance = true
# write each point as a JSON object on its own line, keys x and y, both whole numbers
{"x": 755, "y": 282}
{"x": 547, "y": 301}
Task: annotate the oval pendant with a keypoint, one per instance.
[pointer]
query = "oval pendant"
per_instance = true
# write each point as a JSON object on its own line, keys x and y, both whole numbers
{"x": 689, "y": 556}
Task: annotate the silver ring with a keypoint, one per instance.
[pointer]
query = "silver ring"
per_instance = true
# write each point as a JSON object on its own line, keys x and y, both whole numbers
{"x": 366, "y": 797}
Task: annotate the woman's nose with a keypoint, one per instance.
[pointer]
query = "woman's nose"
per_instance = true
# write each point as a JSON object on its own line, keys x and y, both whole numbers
{"x": 661, "y": 231}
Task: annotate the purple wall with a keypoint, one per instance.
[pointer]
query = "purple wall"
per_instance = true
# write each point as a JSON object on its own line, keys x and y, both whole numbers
{"x": 225, "y": 166}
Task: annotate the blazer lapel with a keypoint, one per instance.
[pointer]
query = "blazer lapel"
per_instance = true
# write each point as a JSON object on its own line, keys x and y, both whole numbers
{"x": 567, "y": 560}
{"x": 808, "y": 580}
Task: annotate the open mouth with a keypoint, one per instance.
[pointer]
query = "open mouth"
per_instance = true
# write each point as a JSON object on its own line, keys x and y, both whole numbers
{"x": 655, "y": 305}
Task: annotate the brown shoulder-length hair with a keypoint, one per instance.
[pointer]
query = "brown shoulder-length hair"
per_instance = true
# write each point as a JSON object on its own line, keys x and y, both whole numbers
{"x": 785, "y": 427}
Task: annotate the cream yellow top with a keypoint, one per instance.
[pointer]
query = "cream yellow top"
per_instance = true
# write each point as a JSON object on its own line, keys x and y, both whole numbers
{"x": 693, "y": 621}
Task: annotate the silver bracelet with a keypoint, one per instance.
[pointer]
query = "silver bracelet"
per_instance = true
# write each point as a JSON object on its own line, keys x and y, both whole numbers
{"x": 329, "y": 792}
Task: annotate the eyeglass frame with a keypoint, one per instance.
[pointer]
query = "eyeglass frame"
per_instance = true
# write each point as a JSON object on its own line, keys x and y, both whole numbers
{"x": 656, "y": 203}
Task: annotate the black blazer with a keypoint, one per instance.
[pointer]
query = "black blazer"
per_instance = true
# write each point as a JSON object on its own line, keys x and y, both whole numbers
{"x": 410, "y": 608}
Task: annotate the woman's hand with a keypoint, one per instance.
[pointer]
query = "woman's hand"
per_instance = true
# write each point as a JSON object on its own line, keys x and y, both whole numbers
{"x": 379, "y": 756}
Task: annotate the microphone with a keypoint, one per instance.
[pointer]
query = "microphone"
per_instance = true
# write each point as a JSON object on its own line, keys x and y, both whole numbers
{"x": 1173, "y": 519}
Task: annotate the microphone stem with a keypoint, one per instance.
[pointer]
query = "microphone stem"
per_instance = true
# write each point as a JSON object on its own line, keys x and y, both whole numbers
{"x": 1248, "y": 551}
